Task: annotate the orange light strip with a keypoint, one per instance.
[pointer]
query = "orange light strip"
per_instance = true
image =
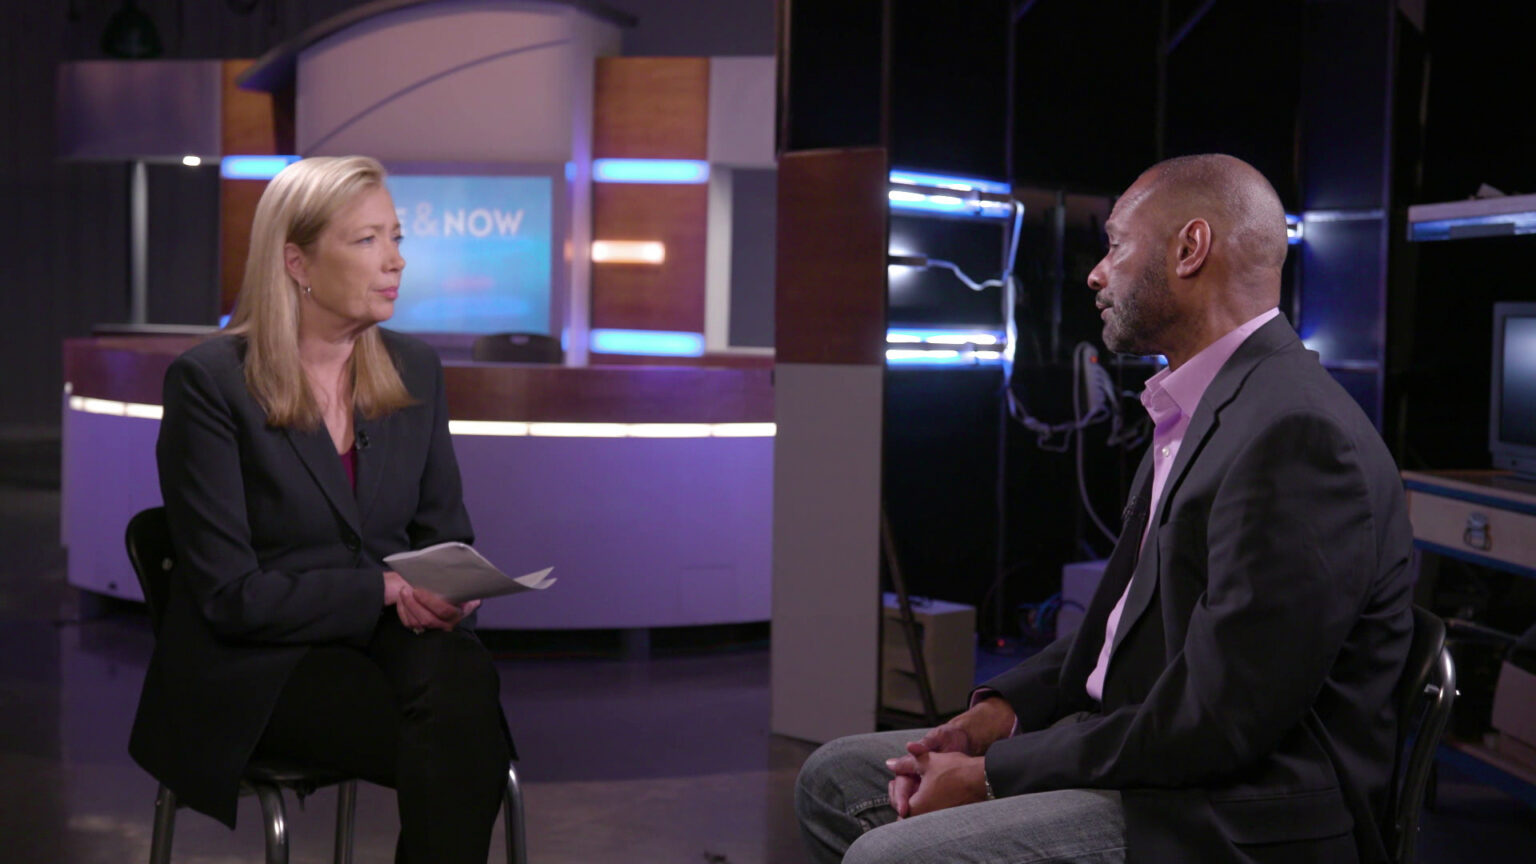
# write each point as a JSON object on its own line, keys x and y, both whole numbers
{"x": 628, "y": 252}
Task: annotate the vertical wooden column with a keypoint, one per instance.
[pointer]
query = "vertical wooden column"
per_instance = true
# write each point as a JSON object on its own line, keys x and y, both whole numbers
{"x": 651, "y": 108}
{"x": 829, "y": 381}
{"x": 252, "y": 124}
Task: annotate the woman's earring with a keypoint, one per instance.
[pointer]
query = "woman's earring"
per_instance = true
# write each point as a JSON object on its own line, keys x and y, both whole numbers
{"x": 308, "y": 290}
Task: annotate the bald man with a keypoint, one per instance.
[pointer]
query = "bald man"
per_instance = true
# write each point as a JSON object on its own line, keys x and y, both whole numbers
{"x": 1228, "y": 696}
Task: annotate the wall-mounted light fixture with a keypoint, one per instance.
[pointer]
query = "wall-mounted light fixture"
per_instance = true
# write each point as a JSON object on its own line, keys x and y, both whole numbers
{"x": 628, "y": 252}
{"x": 650, "y": 171}
{"x": 948, "y": 195}
{"x": 1293, "y": 229}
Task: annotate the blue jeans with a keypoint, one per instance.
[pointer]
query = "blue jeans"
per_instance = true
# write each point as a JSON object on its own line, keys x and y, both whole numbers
{"x": 845, "y": 815}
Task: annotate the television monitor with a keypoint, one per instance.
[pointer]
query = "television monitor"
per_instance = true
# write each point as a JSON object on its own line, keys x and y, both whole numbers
{"x": 1512, "y": 415}
{"x": 481, "y": 244}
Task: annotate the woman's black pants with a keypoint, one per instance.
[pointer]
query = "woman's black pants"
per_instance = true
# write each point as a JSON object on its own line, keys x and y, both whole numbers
{"x": 419, "y": 713}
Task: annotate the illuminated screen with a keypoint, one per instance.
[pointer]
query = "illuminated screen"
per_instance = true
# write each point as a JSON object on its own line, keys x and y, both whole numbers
{"x": 477, "y": 253}
{"x": 1518, "y": 418}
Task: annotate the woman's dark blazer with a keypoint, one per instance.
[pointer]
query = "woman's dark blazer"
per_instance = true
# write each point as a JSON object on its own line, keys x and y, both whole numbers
{"x": 275, "y": 553}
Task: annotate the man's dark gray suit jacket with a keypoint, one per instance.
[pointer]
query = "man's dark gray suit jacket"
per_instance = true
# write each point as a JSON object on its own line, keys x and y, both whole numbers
{"x": 1248, "y": 711}
{"x": 274, "y": 553}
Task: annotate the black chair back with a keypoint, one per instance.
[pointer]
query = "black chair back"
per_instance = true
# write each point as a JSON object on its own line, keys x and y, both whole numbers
{"x": 148, "y": 539}
{"x": 517, "y": 348}
{"x": 1424, "y": 697}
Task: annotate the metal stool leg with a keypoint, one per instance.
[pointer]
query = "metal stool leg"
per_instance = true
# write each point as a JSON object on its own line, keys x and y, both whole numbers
{"x": 346, "y": 812}
{"x": 165, "y": 826}
{"x": 277, "y": 827}
{"x": 512, "y": 818}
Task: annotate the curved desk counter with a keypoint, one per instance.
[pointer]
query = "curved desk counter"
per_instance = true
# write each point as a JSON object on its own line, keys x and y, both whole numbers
{"x": 647, "y": 488}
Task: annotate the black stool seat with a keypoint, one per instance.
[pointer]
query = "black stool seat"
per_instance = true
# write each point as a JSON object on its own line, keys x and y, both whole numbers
{"x": 291, "y": 775}
{"x": 153, "y": 558}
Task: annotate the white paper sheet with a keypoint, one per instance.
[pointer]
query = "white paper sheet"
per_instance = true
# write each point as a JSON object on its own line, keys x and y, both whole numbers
{"x": 459, "y": 574}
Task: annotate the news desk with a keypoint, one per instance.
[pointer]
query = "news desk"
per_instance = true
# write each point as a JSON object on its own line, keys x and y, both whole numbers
{"x": 647, "y": 488}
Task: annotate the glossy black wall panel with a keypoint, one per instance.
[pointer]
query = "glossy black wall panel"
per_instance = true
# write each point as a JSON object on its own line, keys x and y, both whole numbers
{"x": 1340, "y": 310}
{"x": 949, "y": 103}
{"x": 1481, "y": 127}
{"x": 1344, "y": 86}
{"x": 1233, "y": 87}
{"x": 833, "y": 70}
{"x": 1085, "y": 88}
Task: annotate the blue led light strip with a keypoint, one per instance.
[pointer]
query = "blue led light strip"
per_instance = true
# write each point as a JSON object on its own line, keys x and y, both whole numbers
{"x": 654, "y": 343}
{"x": 650, "y": 171}
{"x": 948, "y": 181}
{"x": 943, "y": 357}
{"x": 915, "y": 335}
{"x": 948, "y": 195}
{"x": 948, "y": 204}
{"x": 253, "y": 167}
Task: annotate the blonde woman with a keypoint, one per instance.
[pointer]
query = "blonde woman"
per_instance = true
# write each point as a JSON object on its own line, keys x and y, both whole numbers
{"x": 296, "y": 451}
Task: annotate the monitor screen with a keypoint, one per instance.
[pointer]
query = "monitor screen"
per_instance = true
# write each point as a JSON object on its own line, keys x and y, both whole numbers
{"x": 1512, "y": 400}
{"x": 1517, "y": 397}
{"x": 479, "y": 253}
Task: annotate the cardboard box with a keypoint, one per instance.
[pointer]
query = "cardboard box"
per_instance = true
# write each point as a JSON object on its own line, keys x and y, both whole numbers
{"x": 1516, "y": 751}
{"x": 947, "y": 632}
{"x": 1079, "y": 581}
{"x": 1514, "y": 711}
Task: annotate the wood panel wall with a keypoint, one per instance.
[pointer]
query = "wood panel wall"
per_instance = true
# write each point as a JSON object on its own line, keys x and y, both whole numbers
{"x": 830, "y": 302}
{"x": 829, "y": 399}
{"x": 651, "y": 108}
{"x": 666, "y": 296}
{"x": 252, "y": 124}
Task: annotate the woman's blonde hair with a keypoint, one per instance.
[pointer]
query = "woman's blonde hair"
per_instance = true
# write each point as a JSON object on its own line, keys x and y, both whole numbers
{"x": 295, "y": 208}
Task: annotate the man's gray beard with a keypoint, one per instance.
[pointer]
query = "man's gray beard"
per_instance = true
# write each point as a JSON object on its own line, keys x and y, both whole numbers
{"x": 1140, "y": 318}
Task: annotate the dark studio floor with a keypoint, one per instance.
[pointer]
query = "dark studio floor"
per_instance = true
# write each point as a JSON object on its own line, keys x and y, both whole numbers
{"x": 660, "y": 760}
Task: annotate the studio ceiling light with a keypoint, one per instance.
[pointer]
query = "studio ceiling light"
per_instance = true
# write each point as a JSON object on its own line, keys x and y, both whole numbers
{"x": 131, "y": 34}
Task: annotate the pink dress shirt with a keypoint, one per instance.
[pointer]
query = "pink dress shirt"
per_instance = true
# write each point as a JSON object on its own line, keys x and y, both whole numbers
{"x": 1170, "y": 398}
